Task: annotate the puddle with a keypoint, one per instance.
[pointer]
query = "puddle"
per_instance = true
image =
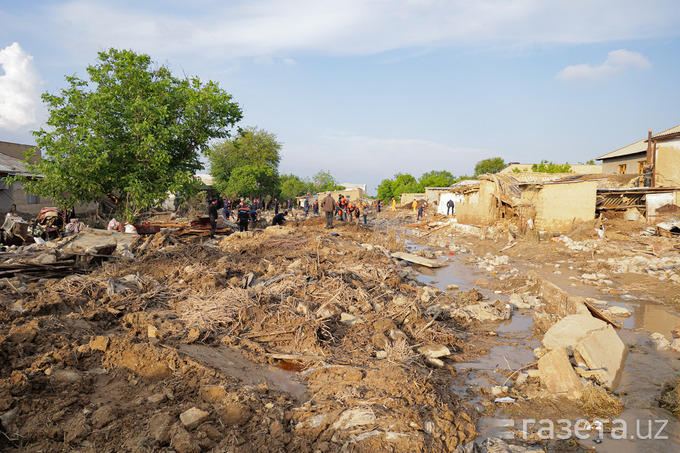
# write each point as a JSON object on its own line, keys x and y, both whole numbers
{"x": 648, "y": 428}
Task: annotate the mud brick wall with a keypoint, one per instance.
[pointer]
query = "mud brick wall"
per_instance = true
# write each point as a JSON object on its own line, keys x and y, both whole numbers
{"x": 479, "y": 208}
{"x": 558, "y": 206}
{"x": 668, "y": 165}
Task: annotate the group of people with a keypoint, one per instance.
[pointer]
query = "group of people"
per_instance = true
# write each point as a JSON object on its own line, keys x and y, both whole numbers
{"x": 344, "y": 209}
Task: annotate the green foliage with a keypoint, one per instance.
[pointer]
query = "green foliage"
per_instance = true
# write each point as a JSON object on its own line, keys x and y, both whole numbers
{"x": 323, "y": 181}
{"x": 402, "y": 183}
{"x": 292, "y": 186}
{"x": 436, "y": 178}
{"x": 590, "y": 162}
{"x": 516, "y": 170}
{"x": 549, "y": 167}
{"x": 132, "y": 133}
{"x": 246, "y": 165}
{"x": 492, "y": 165}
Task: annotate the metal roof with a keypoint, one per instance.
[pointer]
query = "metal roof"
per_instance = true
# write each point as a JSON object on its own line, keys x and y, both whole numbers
{"x": 640, "y": 146}
{"x": 634, "y": 148}
{"x": 12, "y": 165}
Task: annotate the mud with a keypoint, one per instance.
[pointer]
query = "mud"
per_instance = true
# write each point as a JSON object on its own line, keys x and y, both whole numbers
{"x": 298, "y": 338}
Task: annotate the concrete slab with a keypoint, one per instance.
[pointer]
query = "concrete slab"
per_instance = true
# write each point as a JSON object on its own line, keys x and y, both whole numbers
{"x": 97, "y": 239}
{"x": 603, "y": 349}
{"x": 570, "y": 330}
{"x": 557, "y": 375}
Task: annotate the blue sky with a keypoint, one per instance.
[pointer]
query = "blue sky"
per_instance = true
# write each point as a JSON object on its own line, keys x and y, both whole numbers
{"x": 369, "y": 88}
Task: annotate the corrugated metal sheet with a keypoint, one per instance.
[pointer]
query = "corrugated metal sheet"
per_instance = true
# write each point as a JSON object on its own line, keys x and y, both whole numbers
{"x": 633, "y": 148}
{"x": 12, "y": 166}
{"x": 672, "y": 130}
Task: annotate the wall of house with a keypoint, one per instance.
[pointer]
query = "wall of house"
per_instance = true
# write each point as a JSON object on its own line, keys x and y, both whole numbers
{"x": 479, "y": 208}
{"x": 558, "y": 206}
{"x": 631, "y": 161}
{"x": 407, "y": 198}
{"x": 668, "y": 164}
{"x": 16, "y": 195}
{"x": 351, "y": 195}
{"x": 432, "y": 194}
{"x": 16, "y": 151}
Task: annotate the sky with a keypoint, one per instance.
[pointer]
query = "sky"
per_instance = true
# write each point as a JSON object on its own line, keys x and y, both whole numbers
{"x": 366, "y": 89}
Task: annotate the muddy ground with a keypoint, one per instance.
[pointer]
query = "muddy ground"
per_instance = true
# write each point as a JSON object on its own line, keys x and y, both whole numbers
{"x": 292, "y": 338}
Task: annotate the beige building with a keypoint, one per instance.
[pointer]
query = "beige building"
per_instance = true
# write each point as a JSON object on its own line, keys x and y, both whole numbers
{"x": 13, "y": 196}
{"x": 659, "y": 153}
{"x": 407, "y": 198}
{"x": 555, "y": 206}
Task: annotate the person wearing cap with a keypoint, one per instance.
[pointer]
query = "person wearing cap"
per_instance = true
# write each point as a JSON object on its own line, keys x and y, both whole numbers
{"x": 328, "y": 207}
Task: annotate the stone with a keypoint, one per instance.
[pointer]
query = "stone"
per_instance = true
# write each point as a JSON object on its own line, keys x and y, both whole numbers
{"x": 156, "y": 398}
{"x": 434, "y": 350}
{"x": 99, "y": 344}
{"x": 434, "y": 363}
{"x": 452, "y": 287}
{"x": 152, "y": 332}
{"x": 350, "y": 319}
{"x": 483, "y": 312}
{"x": 660, "y": 342}
{"x": 557, "y": 375}
{"x": 103, "y": 416}
{"x": 380, "y": 341}
{"x": 384, "y": 324}
{"x": 518, "y": 302}
{"x": 570, "y": 330}
{"x": 618, "y": 312}
{"x": 354, "y": 417}
{"x": 213, "y": 393}
{"x": 675, "y": 345}
{"x": 193, "y": 335}
{"x": 603, "y": 349}
{"x": 46, "y": 258}
{"x": 234, "y": 414}
{"x": 193, "y": 417}
{"x": 182, "y": 441}
{"x": 381, "y": 354}
{"x": 398, "y": 335}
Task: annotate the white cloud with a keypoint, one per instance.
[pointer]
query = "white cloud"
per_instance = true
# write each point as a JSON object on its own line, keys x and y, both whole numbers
{"x": 289, "y": 62}
{"x": 18, "y": 88}
{"x": 617, "y": 62}
{"x": 251, "y": 28}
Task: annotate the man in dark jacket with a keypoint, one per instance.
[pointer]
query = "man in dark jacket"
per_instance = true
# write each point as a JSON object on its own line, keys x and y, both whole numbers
{"x": 328, "y": 207}
{"x": 449, "y": 207}
{"x": 212, "y": 215}
{"x": 243, "y": 216}
{"x": 279, "y": 218}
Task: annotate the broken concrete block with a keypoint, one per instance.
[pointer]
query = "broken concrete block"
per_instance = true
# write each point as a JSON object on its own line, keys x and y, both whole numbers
{"x": 603, "y": 349}
{"x": 660, "y": 342}
{"x": 557, "y": 375}
{"x": 595, "y": 341}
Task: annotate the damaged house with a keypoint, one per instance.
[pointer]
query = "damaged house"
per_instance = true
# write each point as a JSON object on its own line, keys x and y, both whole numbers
{"x": 12, "y": 196}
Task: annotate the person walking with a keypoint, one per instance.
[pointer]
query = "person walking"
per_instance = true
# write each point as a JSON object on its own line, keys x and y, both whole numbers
{"x": 315, "y": 207}
{"x": 420, "y": 211}
{"x": 305, "y": 206}
{"x": 394, "y": 204}
{"x": 449, "y": 207}
{"x": 328, "y": 207}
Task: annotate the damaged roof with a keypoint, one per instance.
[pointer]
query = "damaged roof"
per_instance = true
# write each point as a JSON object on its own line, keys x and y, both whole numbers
{"x": 12, "y": 166}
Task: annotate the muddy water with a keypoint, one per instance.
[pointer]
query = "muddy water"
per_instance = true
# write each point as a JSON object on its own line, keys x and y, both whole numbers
{"x": 643, "y": 426}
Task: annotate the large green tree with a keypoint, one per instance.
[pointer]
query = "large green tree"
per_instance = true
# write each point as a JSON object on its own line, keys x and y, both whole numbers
{"x": 248, "y": 164}
{"x": 133, "y": 132}
{"x": 293, "y": 186}
{"x": 323, "y": 181}
{"x": 436, "y": 178}
{"x": 491, "y": 165}
{"x": 401, "y": 183}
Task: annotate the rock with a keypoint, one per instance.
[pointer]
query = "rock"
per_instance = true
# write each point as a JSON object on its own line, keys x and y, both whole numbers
{"x": 46, "y": 258}
{"x": 380, "y": 341}
{"x": 234, "y": 414}
{"x": 193, "y": 417}
{"x": 618, "y": 312}
{"x": 68, "y": 376}
{"x": 347, "y": 318}
{"x": 384, "y": 324}
{"x": 354, "y": 417}
{"x": 595, "y": 341}
{"x": 452, "y": 287}
{"x": 660, "y": 342}
{"x": 99, "y": 344}
{"x": 23, "y": 333}
{"x": 156, "y": 398}
{"x": 103, "y": 416}
{"x": 534, "y": 373}
{"x": 498, "y": 390}
{"x": 398, "y": 335}
{"x": 381, "y": 354}
{"x": 182, "y": 441}
{"x": 213, "y": 393}
{"x": 518, "y": 302}
{"x": 434, "y": 350}
{"x": 483, "y": 312}
{"x": 521, "y": 378}
{"x": 675, "y": 345}
{"x": 557, "y": 375}
{"x": 152, "y": 332}
{"x": 159, "y": 427}
{"x": 193, "y": 335}
{"x": 434, "y": 363}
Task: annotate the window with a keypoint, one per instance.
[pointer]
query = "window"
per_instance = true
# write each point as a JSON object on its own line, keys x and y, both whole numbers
{"x": 622, "y": 169}
{"x": 641, "y": 166}
{"x": 31, "y": 199}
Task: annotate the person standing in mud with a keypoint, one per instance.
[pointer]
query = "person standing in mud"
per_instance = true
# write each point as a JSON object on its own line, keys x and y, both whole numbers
{"x": 243, "y": 216}
{"x": 328, "y": 207}
{"x": 212, "y": 216}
